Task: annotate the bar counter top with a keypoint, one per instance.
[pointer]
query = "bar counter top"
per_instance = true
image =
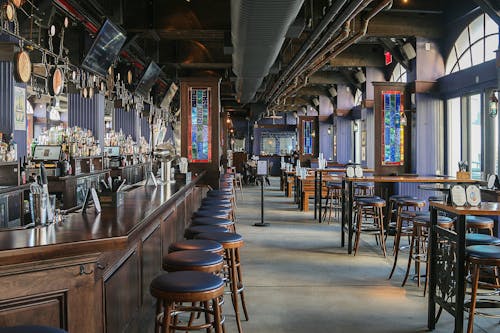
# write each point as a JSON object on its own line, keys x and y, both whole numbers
{"x": 84, "y": 233}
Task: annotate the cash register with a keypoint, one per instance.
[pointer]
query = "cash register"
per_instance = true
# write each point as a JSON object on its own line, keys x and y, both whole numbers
{"x": 113, "y": 154}
{"x": 50, "y": 155}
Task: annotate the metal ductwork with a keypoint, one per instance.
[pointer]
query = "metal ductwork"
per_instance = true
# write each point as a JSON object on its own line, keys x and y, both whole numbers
{"x": 258, "y": 30}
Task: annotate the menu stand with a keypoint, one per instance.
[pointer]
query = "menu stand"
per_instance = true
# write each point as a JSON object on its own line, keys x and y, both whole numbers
{"x": 262, "y": 171}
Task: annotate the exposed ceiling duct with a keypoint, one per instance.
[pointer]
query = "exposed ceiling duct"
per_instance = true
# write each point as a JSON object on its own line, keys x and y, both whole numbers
{"x": 258, "y": 30}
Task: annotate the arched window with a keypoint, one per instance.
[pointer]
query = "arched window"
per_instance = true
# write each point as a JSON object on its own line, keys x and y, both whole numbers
{"x": 476, "y": 44}
{"x": 399, "y": 74}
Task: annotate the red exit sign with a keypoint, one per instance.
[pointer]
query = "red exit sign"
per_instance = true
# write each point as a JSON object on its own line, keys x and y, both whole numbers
{"x": 388, "y": 58}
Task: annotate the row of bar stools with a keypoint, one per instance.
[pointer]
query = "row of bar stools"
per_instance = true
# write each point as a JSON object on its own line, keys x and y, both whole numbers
{"x": 476, "y": 223}
{"x": 370, "y": 219}
{"x": 419, "y": 245}
{"x": 194, "y": 230}
{"x": 392, "y": 210}
{"x": 214, "y": 221}
{"x": 232, "y": 243}
{"x": 407, "y": 210}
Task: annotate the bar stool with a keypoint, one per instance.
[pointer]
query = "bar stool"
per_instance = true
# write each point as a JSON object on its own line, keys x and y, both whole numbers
{"x": 407, "y": 210}
{"x": 232, "y": 243}
{"x": 419, "y": 245}
{"x": 216, "y": 212}
{"x": 333, "y": 200}
{"x": 193, "y": 260}
{"x": 370, "y": 219}
{"x": 392, "y": 210}
{"x": 214, "y": 221}
{"x": 238, "y": 183}
{"x": 197, "y": 244}
{"x": 173, "y": 289}
{"x": 364, "y": 189}
{"x": 31, "y": 329}
{"x": 476, "y": 223}
{"x": 194, "y": 230}
{"x": 480, "y": 257}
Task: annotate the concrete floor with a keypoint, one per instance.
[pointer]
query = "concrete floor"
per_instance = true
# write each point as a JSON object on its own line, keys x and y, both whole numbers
{"x": 298, "y": 278}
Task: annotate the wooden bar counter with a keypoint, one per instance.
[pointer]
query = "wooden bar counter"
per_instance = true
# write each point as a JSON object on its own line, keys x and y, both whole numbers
{"x": 92, "y": 273}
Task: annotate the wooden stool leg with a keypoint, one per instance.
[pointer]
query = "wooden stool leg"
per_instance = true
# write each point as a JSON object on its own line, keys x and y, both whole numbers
{"x": 217, "y": 315}
{"x": 359, "y": 219}
{"x": 472, "y": 309}
{"x": 233, "y": 275}
{"x": 167, "y": 317}
{"x": 397, "y": 239}
{"x": 412, "y": 245}
{"x": 381, "y": 226}
{"x": 240, "y": 283}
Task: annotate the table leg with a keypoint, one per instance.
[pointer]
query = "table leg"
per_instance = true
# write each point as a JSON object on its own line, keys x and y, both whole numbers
{"x": 349, "y": 216}
{"x": 431, "y": 314}
{"x": 315, "y": 194}
{"x": 342, "y": 218}
{"x": 460, "y": 274}
{"x": 320, "y": 195}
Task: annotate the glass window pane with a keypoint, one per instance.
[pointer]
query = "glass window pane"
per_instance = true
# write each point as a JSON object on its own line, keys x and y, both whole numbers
{"x": 476, "y": 29}
{"x": 477, "y": 53}
{"x": 452, "y": 59}
{"x": 491, "y": 43}
{"x": 462, "y": 42}
{"x": 475, "y": 136}
{"x": 464, "y": 61}
{"x": 454, "y": 143}
{"x": 490, "y": 26}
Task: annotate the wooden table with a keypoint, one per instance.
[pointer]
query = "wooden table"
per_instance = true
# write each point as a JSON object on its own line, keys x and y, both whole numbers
{"x": 318, "y": 187}
{"x": 347, "y": 195}
{"x": 447, "y": 280}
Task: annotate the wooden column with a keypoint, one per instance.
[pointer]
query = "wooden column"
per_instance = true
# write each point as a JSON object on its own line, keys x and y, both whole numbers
{"x": 211, "y": 165}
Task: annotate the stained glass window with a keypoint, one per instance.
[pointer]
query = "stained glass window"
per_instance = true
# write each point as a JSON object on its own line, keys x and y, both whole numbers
{"x": 393, "y": 132}
{"x": 199, "y": 131}
{"x": 308, "y": 137}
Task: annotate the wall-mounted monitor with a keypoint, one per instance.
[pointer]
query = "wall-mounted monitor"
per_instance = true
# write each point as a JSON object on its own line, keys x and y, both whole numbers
{"x": 105, "y": 49}
{"x": 148, "y": 79}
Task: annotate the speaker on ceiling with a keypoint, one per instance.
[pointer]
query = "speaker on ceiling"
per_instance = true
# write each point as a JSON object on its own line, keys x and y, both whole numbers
{"x": 332, "y": 91}
{"x": 360, "y": 76}
{"x": 408, "y": 51}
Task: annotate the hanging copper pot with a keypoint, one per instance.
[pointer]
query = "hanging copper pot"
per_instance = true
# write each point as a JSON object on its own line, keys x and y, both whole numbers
{"x": 56, "y": 81}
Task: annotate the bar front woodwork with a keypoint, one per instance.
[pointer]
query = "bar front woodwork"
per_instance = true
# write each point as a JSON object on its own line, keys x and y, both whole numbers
{"x": 92, "y": 273}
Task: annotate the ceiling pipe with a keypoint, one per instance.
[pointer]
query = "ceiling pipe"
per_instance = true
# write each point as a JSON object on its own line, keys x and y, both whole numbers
{"x": 258, "y": 30}
{"x": 306, "y": 47}
{"x": 352, "y": 9}
{"x": 362, "y": 32}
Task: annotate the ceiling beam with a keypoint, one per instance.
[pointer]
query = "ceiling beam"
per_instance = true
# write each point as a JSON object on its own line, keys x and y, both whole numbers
{"x": 168, "y": 34}
{"x": 327, "y": 77}
{"x": 199, "y": 65}
{"x": 404, "y": 25}
{"x": 360, "y": 55}
{"x": 312, "y": 91}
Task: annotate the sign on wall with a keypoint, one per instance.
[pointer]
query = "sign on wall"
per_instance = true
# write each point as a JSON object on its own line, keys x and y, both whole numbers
{"x": 19, "y": 109}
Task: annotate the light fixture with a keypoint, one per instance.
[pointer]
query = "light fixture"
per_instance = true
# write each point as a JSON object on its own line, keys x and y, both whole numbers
{"x": 228, "y": 120}
{"x": 493, "y": 105}
{"x": 313, "y": 133}
{"x": 332, "y": 91}
{"x": 329, "y": 130}
{"x": 403, "y": 120}
{"x": 295, "y": 114}
{"x": 355, "y": 127}
{"x": 315, "y": 101}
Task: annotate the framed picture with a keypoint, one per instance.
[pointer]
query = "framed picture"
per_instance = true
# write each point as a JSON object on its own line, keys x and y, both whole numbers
{"x": 19, "y": 109}
{"x": 458, "y": 196}
{"x": 473, "y": 195}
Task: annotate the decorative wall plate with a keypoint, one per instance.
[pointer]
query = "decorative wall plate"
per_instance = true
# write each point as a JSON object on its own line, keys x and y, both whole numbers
{"x": 23, "y": 66}
{"x": 473, "y": 195}
{"x": 492, "y": 181}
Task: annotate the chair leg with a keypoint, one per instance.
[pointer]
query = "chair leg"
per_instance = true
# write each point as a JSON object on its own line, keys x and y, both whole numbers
{"x": 381, "y": 226}
{"x": 412, "y": 245}
{"x": 397, "y": 239}
{"x": 358, "y": 230}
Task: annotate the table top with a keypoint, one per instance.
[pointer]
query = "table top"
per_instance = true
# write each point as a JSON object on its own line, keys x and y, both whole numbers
{"x": 410, "y": 179}
{"x": 443, "y": 187}
{"x": 486, "y": 208}
{"x": 333, "y": 170}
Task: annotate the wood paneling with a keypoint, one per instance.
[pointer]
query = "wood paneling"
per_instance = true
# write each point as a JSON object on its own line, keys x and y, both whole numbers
{"x": 151, "y": 263}
{"x": 122, "y": 291}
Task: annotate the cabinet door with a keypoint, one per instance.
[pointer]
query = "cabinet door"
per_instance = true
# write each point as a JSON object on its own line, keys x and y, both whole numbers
{"x": 122, "y": 294}
{"x": 65, "y": 297}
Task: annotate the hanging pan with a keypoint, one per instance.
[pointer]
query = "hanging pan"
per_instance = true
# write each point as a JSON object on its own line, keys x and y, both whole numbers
{"x": 22, "y": 66}
{"x": 56, "y": 81}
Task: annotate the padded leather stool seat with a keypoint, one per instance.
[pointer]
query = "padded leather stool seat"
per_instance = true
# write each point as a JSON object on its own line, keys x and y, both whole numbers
{"x": 441, "y": 220}
{"x": 31, "y": 329}
{"x": 480, "y": 239}
{"x": 173, "y": 289}
{"x": 396, "y": 197}
{"x": 216, "y": 204}
{"x": 192, "y": 231}
{"x": 483, "y": 251}
{"x": 211, "y": 213}
{"x": 214, "y": 221}
{"x": 371, "y": 201}
{"x": 193, "y": 260}
{"x": 225, "y": 238}
{"x": 479, "y": 223}
{"x": 196, "y": 244}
